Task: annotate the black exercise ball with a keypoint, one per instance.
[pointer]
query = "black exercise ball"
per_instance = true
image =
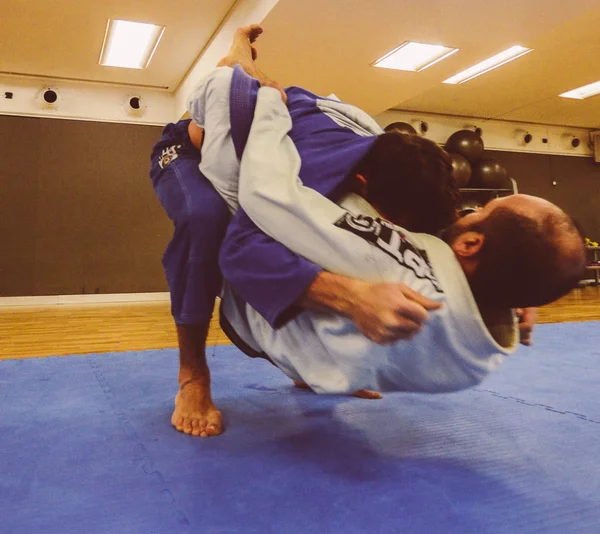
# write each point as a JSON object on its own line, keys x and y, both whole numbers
{"x": 461, "y": 170}
{"x": 466, "y": 143}
{"x": 489, "y": 174}
{"x": 402, "y": 127}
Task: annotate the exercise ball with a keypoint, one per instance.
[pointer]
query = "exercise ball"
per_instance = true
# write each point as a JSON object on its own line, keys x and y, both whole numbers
{"x": 461, "y": 170}
{"x": 489, "y": 174}
{"x": 402, "y": 127}
{"x": 466, "y": 143}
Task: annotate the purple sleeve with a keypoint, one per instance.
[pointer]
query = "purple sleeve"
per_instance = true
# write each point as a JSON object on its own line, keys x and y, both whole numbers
{"x": 263, "y": 272}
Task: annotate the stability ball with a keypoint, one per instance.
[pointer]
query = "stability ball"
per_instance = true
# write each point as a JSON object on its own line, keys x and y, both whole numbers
{"x": 489, "y": 174}
{"x": 466, "y": 143}
{"x": 461, "y": 170}
{"x": 402, "y": 127}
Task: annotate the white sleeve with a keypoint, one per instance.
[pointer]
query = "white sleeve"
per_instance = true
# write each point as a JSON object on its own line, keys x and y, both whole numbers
{"x": 281, "y": 206}
{"x": 209, "y": 96}
{"x": 209, "y": 108}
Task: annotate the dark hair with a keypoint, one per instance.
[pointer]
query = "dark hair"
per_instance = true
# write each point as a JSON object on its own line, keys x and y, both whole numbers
{"x": 409, "y": 178}
{"x": 524, "y": 263}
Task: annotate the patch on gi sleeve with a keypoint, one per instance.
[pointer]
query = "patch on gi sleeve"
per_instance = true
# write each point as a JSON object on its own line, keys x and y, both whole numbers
{"x": 168, "y": 155}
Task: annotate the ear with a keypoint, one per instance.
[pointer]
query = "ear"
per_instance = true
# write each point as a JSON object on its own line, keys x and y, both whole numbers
{"x": 361, "y": 185}
{"x": 468, "y": 244}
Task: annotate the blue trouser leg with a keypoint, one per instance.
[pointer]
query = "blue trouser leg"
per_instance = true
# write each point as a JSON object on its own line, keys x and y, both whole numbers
{"x": 200, "y": 217}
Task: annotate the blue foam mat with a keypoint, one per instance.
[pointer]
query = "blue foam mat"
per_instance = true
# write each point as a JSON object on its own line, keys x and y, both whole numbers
{"x": 86, "y": 446}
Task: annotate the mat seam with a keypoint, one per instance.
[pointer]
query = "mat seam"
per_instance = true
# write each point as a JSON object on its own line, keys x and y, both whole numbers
{"x": 580, "y": 416}
{"x": 141, "y": 454}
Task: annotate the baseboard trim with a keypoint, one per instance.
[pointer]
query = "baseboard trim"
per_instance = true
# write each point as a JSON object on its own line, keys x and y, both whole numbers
{"x": 61, "y": 300}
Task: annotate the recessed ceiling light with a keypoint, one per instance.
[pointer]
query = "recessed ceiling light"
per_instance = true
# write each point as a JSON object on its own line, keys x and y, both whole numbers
{"x": 489, "y": 64}
{"x": 130, "y": 45}
{"x": 586, "y": 91}
{"x": 414, "y": 57}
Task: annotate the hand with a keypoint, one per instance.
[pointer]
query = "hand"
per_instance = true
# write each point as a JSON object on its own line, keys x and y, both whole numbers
{"x": 275, "y": 85}
{"x": 527, "y": 318}
{"x": 386, "y": 312}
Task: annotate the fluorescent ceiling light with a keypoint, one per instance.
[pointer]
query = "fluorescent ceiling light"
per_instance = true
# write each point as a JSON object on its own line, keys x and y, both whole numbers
{"x": 414, "y": 56}
{"x": 586, "y": 91}
{"x": 489, "y": 64}
{"x": 129, "y": 44}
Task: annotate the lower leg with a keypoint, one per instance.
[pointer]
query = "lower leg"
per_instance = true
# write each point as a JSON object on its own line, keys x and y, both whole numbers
{"x": 194, "y": 412}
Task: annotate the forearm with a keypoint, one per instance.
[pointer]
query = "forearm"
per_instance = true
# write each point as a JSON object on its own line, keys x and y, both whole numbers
{"x": 263, "y": 272}
{"x": 331, "y": 292}
{"x": 383, "y": 312}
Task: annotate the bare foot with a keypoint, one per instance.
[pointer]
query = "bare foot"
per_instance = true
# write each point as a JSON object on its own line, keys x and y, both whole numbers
{"x": 367, "y": 394}
{"x": 195, "y": 413}
{"x": 361, "y": 393}
{"x": 242, "y": 52}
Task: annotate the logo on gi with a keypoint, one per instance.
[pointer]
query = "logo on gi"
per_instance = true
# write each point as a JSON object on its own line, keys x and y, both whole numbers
{"x": 168, "y": 155}
{"x": 387, "y": 238}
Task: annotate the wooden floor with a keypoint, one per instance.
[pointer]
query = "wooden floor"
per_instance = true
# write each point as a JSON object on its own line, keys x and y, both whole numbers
{"x": 60, "y": 330}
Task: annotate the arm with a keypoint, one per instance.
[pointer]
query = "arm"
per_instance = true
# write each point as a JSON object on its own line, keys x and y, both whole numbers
{"x": 383, "y": 312}
{"x": 303, "y": 220}
{"x": 278, "y": 284}
{"x": 274, "y": 198}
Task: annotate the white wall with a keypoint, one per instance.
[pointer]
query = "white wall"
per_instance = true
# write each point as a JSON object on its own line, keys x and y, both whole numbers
{"x": 108, "y": 103}
{"x": 497, "y": 135}
{"x": 85, "y": 101}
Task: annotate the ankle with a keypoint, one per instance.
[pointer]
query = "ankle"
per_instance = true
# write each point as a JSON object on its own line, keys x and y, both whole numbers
{"x": 202, "y": 379}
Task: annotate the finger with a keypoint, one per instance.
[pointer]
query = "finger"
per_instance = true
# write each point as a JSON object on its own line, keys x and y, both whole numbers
{"x": 530, "y": 315}
{"x": 525, "y": 329}
{"x": 525, "y": 335}
{"x": 412, "y": 312}
{"x": 519, "y": 312}
{"x": 414, "y": 296}
{"x": 402, "y": 333}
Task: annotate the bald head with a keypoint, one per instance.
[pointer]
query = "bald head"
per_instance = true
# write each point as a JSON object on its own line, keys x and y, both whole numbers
{"x": 529, "y": 252}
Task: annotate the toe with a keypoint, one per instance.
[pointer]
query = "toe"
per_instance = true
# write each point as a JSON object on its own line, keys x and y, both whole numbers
{"x": 187, "y": 426}
{"x": 196, "y": 427}
{"x": 213, "y": 430}
{"x": 178, "y": 423}
{"x": 214, "y": 424}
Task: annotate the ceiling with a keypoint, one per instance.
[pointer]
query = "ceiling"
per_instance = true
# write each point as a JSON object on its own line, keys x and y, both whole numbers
{"x": 63, "y": 38}
{"x": 328, "y": 46}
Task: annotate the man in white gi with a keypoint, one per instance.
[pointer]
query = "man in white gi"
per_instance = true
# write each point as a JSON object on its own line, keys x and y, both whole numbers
{"x": 471, "y": 275}
{"x": 455, "y": 349}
